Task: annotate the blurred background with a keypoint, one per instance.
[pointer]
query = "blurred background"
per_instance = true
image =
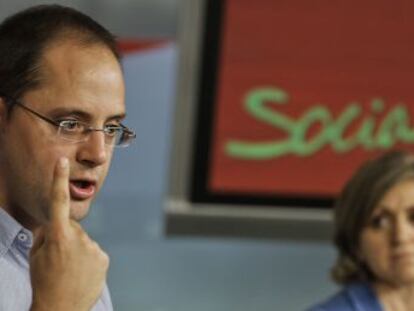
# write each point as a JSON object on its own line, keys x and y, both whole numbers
{"x": 149, "y": 270}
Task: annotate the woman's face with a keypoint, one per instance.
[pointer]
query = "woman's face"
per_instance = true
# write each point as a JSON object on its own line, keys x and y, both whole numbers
{"x": 387, "y": 242}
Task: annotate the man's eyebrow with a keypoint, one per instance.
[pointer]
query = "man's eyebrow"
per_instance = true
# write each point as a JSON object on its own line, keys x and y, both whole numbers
{"x": 119, "y": 117}
{"x": 83, "y": 114}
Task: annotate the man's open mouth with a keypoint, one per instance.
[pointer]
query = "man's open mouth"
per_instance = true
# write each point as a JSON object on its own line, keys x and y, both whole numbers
{"x": 82, "y": 189}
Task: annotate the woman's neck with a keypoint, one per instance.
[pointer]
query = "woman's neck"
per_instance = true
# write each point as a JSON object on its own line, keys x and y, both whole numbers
{"x": 395, "y": 297}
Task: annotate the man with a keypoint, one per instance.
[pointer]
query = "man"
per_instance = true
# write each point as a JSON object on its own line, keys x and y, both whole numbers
{"x": 61, "y": 107}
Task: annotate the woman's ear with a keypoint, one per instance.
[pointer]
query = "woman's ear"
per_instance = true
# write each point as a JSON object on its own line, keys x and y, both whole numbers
{"x": 4, "y": 111}
{"x": 359, "y": 255}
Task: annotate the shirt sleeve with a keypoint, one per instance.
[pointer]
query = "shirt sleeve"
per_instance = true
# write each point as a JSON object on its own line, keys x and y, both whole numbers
{"x": 106, "y": 299}
{"x": 104, "y": 302}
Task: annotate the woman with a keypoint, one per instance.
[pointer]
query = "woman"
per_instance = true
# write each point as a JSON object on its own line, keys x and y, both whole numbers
{"x": 374, "y": 236}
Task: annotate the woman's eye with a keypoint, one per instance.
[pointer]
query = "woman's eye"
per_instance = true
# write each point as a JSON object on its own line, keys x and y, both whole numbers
{"x": 379, "y": 222}
{"x": 411, "y": 217}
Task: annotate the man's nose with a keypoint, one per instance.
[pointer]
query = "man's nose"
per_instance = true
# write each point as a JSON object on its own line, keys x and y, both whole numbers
{"x": 93, "y": 152}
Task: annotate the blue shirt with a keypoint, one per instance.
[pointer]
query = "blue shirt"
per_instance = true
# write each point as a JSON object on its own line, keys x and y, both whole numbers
{"x": 354, "y": 297}
{"x": 15, "y": 286}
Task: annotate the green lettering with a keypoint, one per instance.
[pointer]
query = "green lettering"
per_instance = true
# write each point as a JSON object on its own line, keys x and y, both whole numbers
{"x": 394, "y": 127}
{"x": 255, "y": 104}
{"x": 299, "y": 143}
{"x": 336, "y": 131}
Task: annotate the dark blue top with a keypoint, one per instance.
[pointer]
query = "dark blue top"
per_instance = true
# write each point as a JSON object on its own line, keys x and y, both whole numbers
{"x": 354, "y": 297}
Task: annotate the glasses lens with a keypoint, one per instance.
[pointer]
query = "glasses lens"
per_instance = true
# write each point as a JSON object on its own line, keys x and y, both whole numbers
{"x": 72, "y": 130}
{"x": 124, "y": 138}
{"x": 115, "y": 136}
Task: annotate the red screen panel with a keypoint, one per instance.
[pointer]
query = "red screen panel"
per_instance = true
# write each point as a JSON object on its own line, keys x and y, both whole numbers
{"x": 307, "y": 90}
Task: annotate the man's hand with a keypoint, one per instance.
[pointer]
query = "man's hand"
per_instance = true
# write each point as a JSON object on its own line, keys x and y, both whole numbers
{"x": 68, "y": 269}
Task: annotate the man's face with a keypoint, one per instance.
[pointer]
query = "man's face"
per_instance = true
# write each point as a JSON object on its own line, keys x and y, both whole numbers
{"x": 84, "y": 83}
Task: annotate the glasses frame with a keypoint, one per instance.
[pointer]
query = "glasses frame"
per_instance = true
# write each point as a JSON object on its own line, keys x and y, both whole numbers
{"x": 131, "y": 134}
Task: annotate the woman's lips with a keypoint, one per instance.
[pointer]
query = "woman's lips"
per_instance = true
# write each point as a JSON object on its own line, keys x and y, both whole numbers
{"x": 409, "y": 255}
{"x": 81, "y": 190}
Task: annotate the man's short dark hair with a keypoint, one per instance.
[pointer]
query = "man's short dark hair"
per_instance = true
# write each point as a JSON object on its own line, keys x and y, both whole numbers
{"x": 25, "y": 36}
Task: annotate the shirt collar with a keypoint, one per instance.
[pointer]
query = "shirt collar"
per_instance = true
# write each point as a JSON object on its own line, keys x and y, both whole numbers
{"x": 9, "y": 230}
{"x": 364, "y": 297}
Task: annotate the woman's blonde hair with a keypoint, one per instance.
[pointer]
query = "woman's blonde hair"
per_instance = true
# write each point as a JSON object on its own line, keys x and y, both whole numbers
{"x": 355, "y": 205}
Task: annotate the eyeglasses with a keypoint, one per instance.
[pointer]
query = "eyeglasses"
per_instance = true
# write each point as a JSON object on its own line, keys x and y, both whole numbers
{"x": 77, "y": 131}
